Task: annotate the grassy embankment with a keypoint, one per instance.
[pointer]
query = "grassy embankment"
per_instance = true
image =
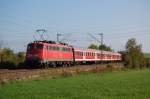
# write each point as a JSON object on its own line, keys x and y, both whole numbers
{"x": 132, "y": 84}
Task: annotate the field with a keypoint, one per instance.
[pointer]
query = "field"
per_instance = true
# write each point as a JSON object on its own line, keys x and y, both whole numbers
{"x": 147, "y": 55}
{"x": 130, "y": 84}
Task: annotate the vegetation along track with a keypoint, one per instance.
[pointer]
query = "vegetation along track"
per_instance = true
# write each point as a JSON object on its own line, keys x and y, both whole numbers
{"x": 23, "y": 74}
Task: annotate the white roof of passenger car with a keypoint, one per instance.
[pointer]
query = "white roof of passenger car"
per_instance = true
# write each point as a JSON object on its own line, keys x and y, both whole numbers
{"x": 96, "y": 51}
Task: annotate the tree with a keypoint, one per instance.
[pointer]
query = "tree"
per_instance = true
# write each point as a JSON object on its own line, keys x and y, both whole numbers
{"x": 93, "y": 46}
{"x": 133, "y": 57}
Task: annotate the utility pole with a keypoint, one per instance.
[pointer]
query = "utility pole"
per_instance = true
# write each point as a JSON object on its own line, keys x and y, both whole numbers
{"x": 58, "y": 34}
{"x": 101, "y": 34}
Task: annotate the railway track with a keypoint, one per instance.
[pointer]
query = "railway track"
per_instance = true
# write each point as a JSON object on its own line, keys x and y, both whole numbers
{"x": 23, "y": 74}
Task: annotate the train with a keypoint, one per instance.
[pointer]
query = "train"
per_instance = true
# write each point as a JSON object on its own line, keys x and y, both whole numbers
{"x": 49, "y": 53}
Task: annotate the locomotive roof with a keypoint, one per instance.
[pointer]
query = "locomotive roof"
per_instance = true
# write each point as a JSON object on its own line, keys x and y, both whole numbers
{"x": 77, "y": 49}
{"x": 52, "y": 43}
{"x": 97, "y": 51}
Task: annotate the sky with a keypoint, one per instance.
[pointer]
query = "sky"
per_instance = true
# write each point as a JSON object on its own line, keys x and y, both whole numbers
{"x": 76, "y": 20}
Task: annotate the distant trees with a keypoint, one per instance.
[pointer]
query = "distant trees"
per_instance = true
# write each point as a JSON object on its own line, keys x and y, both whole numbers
{"x": 20, "y": 57}
{"x": 9, "y": 59}
{"x": 100, "y": 47}
{"x": 105, "y": 48}
{"x": 6, "y": 55}
{"x": 133, "y": 55}
{"x": 93, "y": 46}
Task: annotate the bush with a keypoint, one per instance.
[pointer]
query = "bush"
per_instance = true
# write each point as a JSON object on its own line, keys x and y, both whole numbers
{"x": 9, "y": 59}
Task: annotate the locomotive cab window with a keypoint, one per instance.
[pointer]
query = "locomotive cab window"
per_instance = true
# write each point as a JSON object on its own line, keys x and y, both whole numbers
{"x": 30, "y": 46}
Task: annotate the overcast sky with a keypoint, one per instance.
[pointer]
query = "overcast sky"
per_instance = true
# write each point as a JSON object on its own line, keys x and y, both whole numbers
{"x": 118, "y": 20}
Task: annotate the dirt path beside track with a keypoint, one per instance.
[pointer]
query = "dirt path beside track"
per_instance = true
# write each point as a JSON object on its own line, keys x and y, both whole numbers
{"x": 24, "y": 74}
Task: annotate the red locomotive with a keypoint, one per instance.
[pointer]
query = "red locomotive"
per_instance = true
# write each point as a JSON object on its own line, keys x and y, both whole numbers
{"x": 49, "y": 53}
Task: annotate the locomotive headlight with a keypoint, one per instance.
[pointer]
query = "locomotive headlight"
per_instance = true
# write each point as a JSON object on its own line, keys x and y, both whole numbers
{"x": 32, "y": 55}
{"x": 36, "y": 55}
{"x": 29, "y": 55}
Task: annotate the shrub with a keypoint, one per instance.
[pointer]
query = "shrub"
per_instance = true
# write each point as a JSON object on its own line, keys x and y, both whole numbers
{"x": 9, "y": 59}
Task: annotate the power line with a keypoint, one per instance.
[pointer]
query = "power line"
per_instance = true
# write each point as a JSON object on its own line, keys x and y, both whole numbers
{"x": 93, "y": 37}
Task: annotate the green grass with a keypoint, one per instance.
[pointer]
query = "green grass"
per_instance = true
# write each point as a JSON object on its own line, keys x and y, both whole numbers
{"x": 132, "y": 84}
{"x": 147, "y": 55}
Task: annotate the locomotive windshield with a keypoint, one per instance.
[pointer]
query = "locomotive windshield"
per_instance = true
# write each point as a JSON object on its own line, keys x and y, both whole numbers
{"x": 35, "y": 46}
{"x": 39, "y": 46}
{"x": 30, "y": 46}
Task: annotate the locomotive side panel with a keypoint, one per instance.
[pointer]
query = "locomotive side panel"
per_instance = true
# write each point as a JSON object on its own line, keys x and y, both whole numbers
{"x": 58, "y": 53}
